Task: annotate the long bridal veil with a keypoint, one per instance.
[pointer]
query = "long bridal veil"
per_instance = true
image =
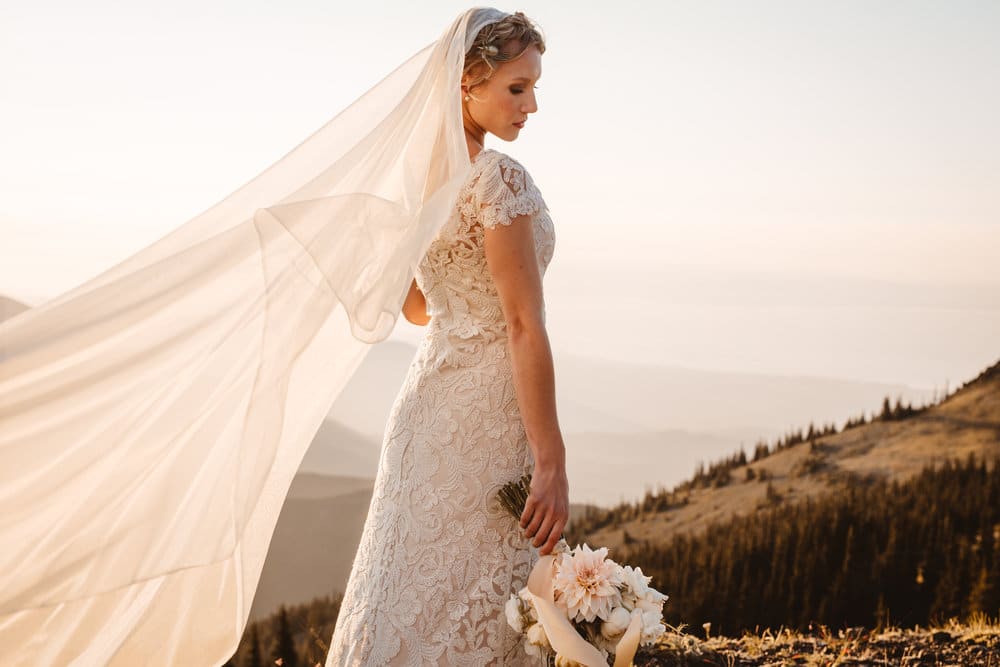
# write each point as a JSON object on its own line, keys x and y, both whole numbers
{"x": 152, "y": 419}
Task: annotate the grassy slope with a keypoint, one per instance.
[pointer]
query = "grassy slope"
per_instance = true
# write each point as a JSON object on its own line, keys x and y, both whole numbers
{"x": 968, "y": 421}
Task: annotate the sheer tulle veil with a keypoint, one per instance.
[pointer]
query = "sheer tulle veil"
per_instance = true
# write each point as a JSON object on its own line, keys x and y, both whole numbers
{"x": 152, "y": 418}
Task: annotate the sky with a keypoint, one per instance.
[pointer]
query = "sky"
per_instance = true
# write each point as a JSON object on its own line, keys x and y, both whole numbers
{"x": 794, "y": 188}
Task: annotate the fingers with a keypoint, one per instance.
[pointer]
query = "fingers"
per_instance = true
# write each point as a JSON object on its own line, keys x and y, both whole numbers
{"x": 542, "y": 534}
{"x": 545, "y": 526}
{"x": 536, "y": 521}
{"x": 529, "y": 509}
{"x": 545, "y": 515}
{"x": 554, "y": 534}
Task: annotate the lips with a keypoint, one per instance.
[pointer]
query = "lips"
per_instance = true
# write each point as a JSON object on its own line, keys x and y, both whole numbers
{"x": 521, "y": 124}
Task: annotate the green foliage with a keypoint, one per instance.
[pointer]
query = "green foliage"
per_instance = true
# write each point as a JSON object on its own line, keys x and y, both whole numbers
{"x": 878, "y": 553}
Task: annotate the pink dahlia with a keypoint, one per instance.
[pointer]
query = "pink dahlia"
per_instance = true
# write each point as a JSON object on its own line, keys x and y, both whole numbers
{"x": 586, "y": 583}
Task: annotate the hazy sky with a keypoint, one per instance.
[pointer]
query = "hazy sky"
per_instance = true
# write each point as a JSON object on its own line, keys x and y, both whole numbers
{"x": 783, "y": 187}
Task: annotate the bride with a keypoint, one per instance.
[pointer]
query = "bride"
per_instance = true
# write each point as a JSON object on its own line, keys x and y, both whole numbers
{"x": 438, "y": 556}
{"x": 152, "y": 418}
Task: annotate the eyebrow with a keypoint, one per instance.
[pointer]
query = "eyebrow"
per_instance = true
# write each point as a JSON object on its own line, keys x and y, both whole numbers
{"x": 522, "y": 78}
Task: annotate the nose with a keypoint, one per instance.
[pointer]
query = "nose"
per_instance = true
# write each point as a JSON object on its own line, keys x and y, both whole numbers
{"x": 532, "y": 106}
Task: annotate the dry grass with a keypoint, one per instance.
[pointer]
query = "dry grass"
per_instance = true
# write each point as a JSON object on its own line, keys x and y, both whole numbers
{"x": 972, "y": 643}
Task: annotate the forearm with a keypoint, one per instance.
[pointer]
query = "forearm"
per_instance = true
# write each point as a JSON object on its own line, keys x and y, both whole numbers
{"x": 415, "y": 306}
{"x": 534, "y": 383}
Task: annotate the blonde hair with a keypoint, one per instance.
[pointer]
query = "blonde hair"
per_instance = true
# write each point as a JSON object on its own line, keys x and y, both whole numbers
{"x": 500, "y": 42}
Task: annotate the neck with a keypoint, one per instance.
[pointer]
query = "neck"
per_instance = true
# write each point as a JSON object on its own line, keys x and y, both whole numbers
{"x": 475, "y": 142}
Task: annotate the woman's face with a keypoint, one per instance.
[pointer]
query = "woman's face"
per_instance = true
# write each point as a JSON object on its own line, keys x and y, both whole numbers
{"x": 505, "y": 98}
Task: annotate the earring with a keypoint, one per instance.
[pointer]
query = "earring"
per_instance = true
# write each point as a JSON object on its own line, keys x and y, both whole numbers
{"x": 466, "y": 98}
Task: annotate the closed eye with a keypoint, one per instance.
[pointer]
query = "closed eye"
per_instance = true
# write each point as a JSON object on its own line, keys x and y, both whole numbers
{"x": 517, "y": 91}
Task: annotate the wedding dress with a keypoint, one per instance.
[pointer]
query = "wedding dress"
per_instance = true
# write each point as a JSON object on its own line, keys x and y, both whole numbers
{"x": 153, "y": 417}
{"x": 439, "y": 556}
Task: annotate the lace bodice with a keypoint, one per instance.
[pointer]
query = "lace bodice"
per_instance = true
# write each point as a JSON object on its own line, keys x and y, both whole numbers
{"x": 453, "y": 275}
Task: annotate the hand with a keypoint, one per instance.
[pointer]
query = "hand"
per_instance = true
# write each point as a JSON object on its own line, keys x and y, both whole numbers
{"x": 547, "y": 509}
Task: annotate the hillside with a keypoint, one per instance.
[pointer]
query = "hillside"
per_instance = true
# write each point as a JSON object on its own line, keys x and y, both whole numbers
{"x": 966, "y": 421}
{"x": 314, "y": 542}
{"x": 320, "y": 525}
{"x": 10, "y": 307}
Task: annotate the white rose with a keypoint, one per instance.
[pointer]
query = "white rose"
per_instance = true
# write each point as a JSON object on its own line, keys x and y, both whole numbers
{"x": 536, "y": 635}
{"x": 617, "y": 622}
{"x": 513, "y": 609}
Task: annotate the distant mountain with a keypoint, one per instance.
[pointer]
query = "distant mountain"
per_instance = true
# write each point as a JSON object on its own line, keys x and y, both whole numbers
{"x": 601, "y": 396}
{"x": 608, "y": 468}
{"x": 341, "y": 451}
{"x": 652, "y": 398}
{"x": 10, "y": 307}
{"x": 315, "y": 540}
{"x": 660, "y": 421}
{"x": 967, "y": 421}
{"x": 366, "y": 400}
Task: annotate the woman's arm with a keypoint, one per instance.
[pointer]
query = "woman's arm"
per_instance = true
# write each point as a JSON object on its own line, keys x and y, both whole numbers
{"x": 510, "y": 255}
{"x": 415, "y": 306}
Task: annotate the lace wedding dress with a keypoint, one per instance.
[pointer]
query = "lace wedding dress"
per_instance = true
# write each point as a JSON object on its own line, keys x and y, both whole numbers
{"x": 439, "y": 557}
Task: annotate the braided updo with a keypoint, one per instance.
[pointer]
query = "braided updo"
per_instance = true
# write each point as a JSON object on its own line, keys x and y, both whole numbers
{"x": 498, "y": 43}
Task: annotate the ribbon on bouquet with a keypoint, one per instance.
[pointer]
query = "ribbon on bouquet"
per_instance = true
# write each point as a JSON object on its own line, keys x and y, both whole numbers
{"x": 563, "y": 637}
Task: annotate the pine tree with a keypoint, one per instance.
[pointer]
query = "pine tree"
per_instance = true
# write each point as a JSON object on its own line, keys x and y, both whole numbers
{"x": 285, "y": 646}
{"x": 882, "y": 618}
{"x": 977, "y": 595}
{"x": 254, "y": 658}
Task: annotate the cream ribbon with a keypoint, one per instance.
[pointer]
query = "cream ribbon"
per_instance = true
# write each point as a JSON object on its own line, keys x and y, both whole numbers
{"x": 563, "y": 637}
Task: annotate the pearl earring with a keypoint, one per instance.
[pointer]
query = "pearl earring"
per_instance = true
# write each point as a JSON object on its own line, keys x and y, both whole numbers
{"x": 466, "y": 98}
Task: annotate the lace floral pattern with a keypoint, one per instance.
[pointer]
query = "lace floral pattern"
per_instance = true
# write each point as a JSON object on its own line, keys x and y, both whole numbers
{"x": 438, "y": 556}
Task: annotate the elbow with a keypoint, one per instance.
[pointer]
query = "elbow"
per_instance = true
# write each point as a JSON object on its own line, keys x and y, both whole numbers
{"x": 525, "y": 323}
{"x": 420, "y": 319}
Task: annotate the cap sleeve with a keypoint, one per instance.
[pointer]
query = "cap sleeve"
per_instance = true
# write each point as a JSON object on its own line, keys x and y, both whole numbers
{"x": 504, "y": 191}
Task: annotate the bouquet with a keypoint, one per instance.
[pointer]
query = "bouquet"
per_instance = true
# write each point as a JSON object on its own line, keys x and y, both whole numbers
{"x": 580, "y": 607}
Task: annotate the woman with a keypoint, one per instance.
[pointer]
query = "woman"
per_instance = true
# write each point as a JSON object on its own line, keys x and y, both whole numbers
{"x": 152, "y": 418}
{"x": 438, "y": 556}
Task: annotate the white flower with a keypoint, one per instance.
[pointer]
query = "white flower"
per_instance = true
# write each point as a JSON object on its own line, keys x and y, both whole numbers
{"x": 637, "y": 593}
{"x": 637, "y": 582}
{"x": 617, "y": 622}
{"x": 536, "y": 635}
{"x": 652, "y": 626}
{"x": 649, "y": 604}
{"x": 513, "y": 609}
{"x": 586, "y": 583}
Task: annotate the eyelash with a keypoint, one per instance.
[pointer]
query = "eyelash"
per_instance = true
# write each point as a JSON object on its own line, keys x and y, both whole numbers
{"x": 520, "y": 90}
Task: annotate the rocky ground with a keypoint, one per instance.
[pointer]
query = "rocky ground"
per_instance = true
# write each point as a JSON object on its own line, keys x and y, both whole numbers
{"x": 955, "y": 644}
